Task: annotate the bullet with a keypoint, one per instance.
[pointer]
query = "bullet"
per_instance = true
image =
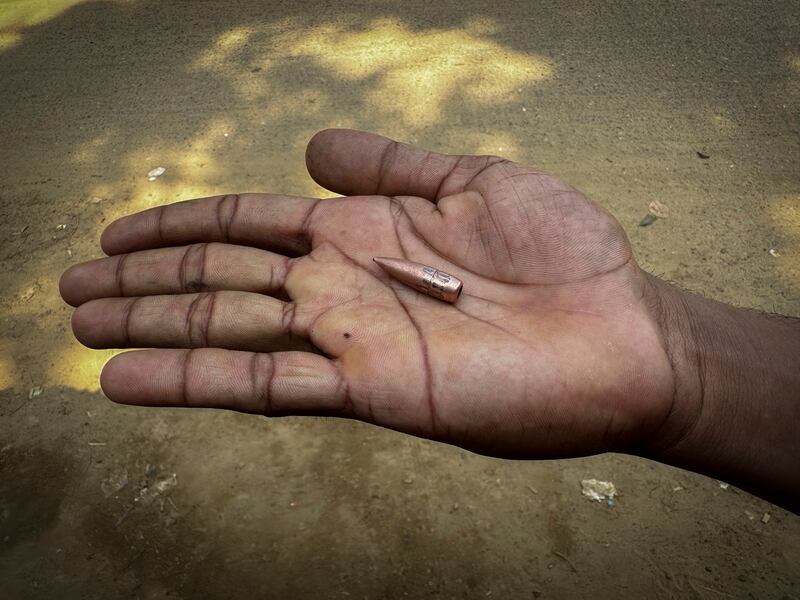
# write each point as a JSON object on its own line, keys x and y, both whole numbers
{"x": 424, "y": 279}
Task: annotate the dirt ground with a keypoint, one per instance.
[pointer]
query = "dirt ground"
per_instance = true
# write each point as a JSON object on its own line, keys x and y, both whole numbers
{"x": 103, "y": 501}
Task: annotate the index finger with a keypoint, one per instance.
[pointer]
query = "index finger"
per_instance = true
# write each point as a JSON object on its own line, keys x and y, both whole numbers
{"x": 271, "y": 222}
{"x": 353, "y": 162}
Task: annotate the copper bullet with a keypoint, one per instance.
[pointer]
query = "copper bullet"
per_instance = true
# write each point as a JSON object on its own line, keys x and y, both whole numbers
{"x": 424, "y": 279}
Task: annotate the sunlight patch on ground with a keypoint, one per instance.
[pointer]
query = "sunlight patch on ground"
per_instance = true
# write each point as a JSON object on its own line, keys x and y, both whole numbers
{"x": 191, "y": 171}
{"x": 9, "y": 39}
{"x": 93, "y": 148}
{"x": 501, "y": 144}
{"x": 16, "y": 15}
{"x": 31, "y": 295}
{"x": 415, "y": 74}
{"x": 73, "y": 365}
{"x": 403, "y": 74}
{"x": 79, "y": 367}
{"x": 784, "y": 214}
{"x": 722, "y": 121}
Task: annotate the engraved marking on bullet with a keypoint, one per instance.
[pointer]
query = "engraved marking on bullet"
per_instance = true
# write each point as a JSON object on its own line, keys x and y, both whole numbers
{"x": 423, "y": 278}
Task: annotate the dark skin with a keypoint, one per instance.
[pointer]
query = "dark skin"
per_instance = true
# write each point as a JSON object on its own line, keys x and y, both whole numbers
{"x": 560, "y": 345}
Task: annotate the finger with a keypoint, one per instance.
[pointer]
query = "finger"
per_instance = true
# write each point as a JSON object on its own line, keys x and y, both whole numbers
{"x": 195, "y": 268}
{"x": 282, "y": 223}
{"x": 214, "y": 319}
{"x": 268, "y": 384}
{"x": 356, "y": 162}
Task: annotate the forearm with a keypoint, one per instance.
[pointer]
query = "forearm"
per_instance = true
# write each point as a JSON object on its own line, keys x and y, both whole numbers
{"x": 736, "y": 411}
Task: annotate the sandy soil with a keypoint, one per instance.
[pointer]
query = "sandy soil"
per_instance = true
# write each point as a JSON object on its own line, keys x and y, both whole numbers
{"x": 102, "y": 501}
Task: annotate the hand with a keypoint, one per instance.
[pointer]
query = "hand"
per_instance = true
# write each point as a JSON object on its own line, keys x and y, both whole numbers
{"x": 272, "y": 305}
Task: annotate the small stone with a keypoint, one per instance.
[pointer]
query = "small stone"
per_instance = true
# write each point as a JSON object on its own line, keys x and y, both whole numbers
{"x": 765, "y": 519}
{"x": 658, "y": 209}
{"x": 153, "y": 174}
{"x": 648, "y": 219}
{"x": 597, "y": 490}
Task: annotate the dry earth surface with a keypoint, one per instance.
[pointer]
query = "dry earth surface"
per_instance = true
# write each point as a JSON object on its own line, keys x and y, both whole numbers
{"x": 103, "y": 501}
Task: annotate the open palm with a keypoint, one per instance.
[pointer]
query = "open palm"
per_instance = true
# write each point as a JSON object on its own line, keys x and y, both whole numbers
{"x": 273, "y": 305}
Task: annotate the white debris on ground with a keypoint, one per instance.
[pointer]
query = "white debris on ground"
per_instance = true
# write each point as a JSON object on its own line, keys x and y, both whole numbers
{"x": 34, "y": 392}
{"x": 658, "y": 209}
{"x": 150, "y": 493}
{"x": 724, "y": 485}
{"x": 154, "y": 174}
{"x": 147, "y": 493}
{"x": 598, "y": 491}
{"x": 774, "y": 253}
{"x": 29, "y": 292}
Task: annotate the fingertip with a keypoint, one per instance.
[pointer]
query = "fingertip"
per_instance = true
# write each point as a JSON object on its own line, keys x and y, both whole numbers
{"x": 320, "y": 151}
{"x": 118, "y": 381}
{"x": 133, "y": 232}
{"x": 329, "y": 136}
{"x": 83, "y": 282}
{"x": 84, "y": 326}
{"x": 69, "y": 284}
{"x": 321, "y": 138}
{"x": 346, "y": 161}
{"x": 125, "y": 377}
{"x": 109, "y": 239}
{"x": 94, "y": 324}
{"x": 108, "y": 379}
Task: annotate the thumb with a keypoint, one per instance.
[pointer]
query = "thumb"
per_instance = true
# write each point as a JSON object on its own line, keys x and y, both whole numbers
{"x": 352, "y": 162}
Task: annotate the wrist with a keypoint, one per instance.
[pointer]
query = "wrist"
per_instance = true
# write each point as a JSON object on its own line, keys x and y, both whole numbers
{"x": 736, "y": 402}
{"x": 673, "y": 314}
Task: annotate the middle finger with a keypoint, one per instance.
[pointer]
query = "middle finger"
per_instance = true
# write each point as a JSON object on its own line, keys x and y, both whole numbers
{"x": 234, "y": 320}
{"x": 195, "y": 268}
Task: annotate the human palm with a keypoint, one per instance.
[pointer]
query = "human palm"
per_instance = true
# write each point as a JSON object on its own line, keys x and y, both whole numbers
{"x": 272, "y": 305}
